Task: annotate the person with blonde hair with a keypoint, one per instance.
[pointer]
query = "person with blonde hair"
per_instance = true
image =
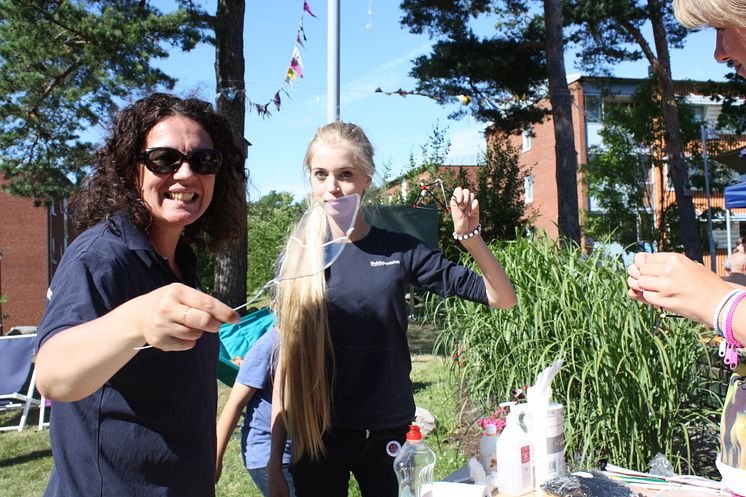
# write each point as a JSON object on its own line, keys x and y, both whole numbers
{"x": 728, "y": 17}
{"x": 342, "y": 387}
{"x": 677, "y": 284}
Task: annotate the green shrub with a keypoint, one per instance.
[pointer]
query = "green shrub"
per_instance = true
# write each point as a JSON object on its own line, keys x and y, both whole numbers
{"x": 631, "y": 383}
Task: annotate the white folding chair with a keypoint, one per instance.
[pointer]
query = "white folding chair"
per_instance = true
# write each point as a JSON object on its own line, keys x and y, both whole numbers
{"x": 42, "y": 409}
{"x": 16, "y": 362}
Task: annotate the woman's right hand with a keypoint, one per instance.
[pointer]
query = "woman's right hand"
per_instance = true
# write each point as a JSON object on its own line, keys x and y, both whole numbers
{"x": 677, "y": 284}
{"x": 175, "y": 316}
{"x": 75, "y": 362}
{"x": 277, "y": 485}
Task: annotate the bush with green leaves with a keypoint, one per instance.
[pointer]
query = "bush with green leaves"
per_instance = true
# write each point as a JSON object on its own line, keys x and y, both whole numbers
{"x": 269, "y": 221}
{"x": 632, "y": 382}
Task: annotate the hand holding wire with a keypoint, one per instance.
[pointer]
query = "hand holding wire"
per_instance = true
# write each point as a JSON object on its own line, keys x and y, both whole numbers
{"x": 464, "y": 211}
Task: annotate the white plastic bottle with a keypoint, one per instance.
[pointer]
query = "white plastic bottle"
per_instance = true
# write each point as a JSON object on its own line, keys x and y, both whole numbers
{"x": 488, "y": 448}
{"x": 514, "y": 471}
{"x": 414, "y": 465}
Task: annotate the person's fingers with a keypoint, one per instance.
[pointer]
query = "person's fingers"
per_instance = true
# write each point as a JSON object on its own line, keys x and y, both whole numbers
{"x": 206, "y": 311}
{"x": 640, "y": 258}
{"x": 636, "y": 295}
{"x": 633, "y": 271}
{"x": 458, "y": 195}
{"x": 200, "y": 319}
{"x": 633, "y": 283}
{"x": 178, "y": 338}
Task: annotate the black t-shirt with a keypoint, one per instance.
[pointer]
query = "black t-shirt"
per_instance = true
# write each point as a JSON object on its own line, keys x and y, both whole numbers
{"x": 368, "y": 323}
{"x": 150, "y": 430}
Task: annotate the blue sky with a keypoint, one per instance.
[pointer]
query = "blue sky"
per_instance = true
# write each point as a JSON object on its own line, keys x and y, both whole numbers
{"x": 375, "y": 52}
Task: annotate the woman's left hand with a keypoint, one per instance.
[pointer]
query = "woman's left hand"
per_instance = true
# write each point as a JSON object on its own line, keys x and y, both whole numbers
{"x": 464, "y": 211}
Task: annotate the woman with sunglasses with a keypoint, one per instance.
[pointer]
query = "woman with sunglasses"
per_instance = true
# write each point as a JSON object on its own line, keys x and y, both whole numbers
{"x": 128, "y": 344}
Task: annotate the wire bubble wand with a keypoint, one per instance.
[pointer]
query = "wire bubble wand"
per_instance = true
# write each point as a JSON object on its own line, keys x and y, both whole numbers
{"x": 429, "y": 190}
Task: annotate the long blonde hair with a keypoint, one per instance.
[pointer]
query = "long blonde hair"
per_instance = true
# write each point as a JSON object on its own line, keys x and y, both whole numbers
{"x": 715, "y": 13}
{"x": 307, "y": 355}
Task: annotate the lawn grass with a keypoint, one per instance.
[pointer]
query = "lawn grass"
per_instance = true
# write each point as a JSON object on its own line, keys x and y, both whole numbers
{"x": 26, "y": 460}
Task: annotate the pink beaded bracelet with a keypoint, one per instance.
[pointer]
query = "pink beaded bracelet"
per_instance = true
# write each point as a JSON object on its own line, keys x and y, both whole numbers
{"x": 731, "y": 355}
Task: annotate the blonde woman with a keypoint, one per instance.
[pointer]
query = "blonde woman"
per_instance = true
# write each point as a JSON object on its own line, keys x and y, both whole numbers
{"x": 728, "y": 17}
{"x": 343, "y": 388}
{"x": 675, "y": 283}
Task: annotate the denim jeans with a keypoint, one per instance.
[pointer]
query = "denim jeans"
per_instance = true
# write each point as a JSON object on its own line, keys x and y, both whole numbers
{"x": 259, "y": 475}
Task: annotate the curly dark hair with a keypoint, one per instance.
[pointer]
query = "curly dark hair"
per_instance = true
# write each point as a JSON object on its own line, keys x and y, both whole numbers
{"x": 113, "y": 185}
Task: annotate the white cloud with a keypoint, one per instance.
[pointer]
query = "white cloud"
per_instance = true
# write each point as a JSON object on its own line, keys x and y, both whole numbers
{"x": 466, "y": 145}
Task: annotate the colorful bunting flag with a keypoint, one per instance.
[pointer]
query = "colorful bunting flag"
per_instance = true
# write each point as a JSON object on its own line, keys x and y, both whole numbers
{"x": 404, "y": 93}
{"x": 294, "y": 71}
{"x": 464, "y": 99}
{"x": 307, "y": 8}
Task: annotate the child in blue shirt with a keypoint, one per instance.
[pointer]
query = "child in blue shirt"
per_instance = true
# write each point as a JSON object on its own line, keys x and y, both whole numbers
{"x": 253, "y": 386}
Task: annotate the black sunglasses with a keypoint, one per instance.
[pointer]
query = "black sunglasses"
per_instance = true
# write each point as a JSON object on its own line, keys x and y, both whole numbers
{"x": 165, "y": 160}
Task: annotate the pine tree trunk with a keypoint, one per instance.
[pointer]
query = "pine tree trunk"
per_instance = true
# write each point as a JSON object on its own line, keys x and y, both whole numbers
{"x": 674, "y": 140}
{"x": 564, "y": 149}
{"x": 231, "y": 262}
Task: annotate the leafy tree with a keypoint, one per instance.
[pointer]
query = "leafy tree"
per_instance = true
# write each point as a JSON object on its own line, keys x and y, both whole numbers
{"x": 612, "y": 31}
{"x": 619, "y": 174}
{"x": 504, "y": 76}
{"x": 566, "y": 157}
{"x": 269, "y": 221}
{"x": 500, "y": 191}
{"x": 230, "y": 263}
{"x": 511, "y": 63}
{"x": 731, "y": 96}
{"x": 64, "y": 66}
{"x": 498, "y": 183}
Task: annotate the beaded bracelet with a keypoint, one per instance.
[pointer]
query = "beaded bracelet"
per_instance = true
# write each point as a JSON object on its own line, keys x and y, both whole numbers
{"x": 470, "y": 234}
{"x": 731, "y": 355}
{"x": 719, "y": 310}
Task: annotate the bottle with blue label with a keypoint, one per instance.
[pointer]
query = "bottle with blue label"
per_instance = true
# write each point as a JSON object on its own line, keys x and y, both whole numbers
{"x": 414, "y": 466}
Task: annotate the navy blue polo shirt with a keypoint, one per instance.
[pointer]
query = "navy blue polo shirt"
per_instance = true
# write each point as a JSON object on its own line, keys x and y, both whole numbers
{"x": 150, "y": 430}
{"x": 366, "y": 289}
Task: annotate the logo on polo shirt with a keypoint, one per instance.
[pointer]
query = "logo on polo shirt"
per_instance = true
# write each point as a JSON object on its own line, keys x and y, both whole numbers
{"x": 384, "y": 263}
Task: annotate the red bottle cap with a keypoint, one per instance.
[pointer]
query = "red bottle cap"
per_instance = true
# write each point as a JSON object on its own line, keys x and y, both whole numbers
{"x": 414, "y": 433}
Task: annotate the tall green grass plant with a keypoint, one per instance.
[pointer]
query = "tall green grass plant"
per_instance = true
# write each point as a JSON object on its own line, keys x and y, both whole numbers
{"x": 631, "y": 384}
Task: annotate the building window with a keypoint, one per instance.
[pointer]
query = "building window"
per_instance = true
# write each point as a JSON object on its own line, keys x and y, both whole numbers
{"x": 528, "y": 189}
{"x": 526, "y": 140}
{"x": 594, "y": 108}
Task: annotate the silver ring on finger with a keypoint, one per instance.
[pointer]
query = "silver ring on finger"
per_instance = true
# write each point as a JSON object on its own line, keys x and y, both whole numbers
{"x": 184, "y": 316}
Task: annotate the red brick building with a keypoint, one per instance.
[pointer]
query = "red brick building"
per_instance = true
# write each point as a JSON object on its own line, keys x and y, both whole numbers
{"x": 590, "y": 95}
{"x": 32, "y": 240}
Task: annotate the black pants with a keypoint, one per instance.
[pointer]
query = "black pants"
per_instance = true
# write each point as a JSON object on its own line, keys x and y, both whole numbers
{"x": 362, "y": 452}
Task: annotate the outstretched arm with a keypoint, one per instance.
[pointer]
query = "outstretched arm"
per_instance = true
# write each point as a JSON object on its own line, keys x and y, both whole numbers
{"x": 465, "y": 214}
{"x": 678, "y": 284}
{"x": 240, "y": 396}
{"x": 76, "y": 362}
